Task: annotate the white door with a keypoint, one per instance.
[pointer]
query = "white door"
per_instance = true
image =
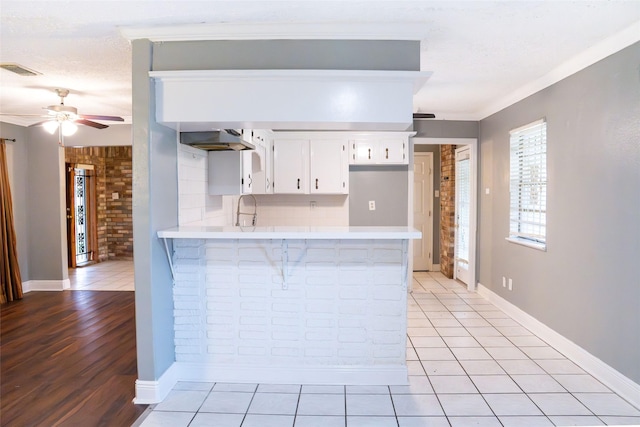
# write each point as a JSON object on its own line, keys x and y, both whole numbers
{"x": 423, "y": 210}
{"x": 463, "y": 215}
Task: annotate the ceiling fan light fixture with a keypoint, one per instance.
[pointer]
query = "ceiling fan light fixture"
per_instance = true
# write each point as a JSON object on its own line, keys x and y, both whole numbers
{"x": 50, "y": 127}
{"x": 68, "y": 128}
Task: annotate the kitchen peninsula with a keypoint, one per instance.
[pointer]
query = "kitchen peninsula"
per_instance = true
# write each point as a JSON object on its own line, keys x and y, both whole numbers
{"x": 298, "y": 305}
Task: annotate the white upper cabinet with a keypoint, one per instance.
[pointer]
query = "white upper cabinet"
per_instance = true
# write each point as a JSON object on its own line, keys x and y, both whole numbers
{"x": 329, "y": 167}
{"x": 376, "y": 150}
{"x": 307, "y": 164}
{"x": 291, "y": 166}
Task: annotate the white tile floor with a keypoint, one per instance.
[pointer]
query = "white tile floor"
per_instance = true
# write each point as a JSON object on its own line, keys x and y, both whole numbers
{"x": 469, "y": 365}
{"x": 103, "y": 276}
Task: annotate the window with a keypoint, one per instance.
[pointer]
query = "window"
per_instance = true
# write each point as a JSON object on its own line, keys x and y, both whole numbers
{"x": 528, "y": 185}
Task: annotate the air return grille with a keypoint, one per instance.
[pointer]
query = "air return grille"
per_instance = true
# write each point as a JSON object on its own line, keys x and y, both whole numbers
{"x": 18, "y": 69}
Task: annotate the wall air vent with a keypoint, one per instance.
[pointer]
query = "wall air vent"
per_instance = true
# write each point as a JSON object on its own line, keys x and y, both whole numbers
{"x": 18, "y": 69}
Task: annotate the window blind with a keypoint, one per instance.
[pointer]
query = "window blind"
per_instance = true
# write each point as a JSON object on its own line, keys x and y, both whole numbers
{"x": 528, "y": 182}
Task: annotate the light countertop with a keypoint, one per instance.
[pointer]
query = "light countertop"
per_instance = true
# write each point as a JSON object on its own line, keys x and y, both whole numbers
{"x": 287, "y": 232}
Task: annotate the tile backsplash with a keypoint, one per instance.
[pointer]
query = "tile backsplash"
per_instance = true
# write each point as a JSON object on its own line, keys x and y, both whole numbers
{"x": 196, "y": 206}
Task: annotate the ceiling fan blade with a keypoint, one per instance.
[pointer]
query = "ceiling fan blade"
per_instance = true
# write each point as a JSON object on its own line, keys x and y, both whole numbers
{"x": 92, "y": 124}
{"x": 93, "y": 117}
{"x": 424, "y": 116}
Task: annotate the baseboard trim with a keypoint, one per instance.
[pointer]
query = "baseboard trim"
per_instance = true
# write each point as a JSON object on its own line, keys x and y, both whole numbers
{"x": 45, "y": 285}
{"x": 318, "y": 375}
{"x": 610, "y": 377}
{"x": 150, "y": 392}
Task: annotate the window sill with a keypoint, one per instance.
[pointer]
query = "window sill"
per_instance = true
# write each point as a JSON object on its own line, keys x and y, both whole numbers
{"x": 528, "y": 243}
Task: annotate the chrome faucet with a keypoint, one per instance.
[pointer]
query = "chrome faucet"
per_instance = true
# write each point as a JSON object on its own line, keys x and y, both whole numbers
{"x": 254, "y": 214}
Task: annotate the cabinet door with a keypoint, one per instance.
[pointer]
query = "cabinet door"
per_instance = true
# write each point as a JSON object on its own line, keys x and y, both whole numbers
{"x": 249, "y": 158}
{"x": 362, "y": 152}
{"x": 328, "y": 166}
{"x": 291, "y": 166}
{"x": 392, "y": 151}
{"x": 263, "y": 177}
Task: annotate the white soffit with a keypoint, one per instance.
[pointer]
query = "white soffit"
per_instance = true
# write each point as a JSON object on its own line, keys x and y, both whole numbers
{"x": 280, "y": 31}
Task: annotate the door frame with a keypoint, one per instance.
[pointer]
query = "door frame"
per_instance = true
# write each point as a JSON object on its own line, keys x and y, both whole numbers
{"x": 457, "y": 228}
{"x": 473, "y": 229}
{"x": 430, "y": 162}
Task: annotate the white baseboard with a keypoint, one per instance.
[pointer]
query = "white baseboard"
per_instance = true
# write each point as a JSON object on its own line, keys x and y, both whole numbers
{"x": 150, "y": 392}
{"x": 45, "y": 285}
{"x": 613, "y": 379}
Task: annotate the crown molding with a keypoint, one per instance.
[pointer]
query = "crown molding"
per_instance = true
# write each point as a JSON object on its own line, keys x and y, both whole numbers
{"x": 280, "y": 31}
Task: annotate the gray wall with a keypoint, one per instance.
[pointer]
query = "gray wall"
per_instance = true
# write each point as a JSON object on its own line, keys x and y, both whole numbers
{"x": 387, "y": 186}
{"x": 155, "y": 207}
{"x": 288, "y": 54}
{"x": 585, "y": 286}
{"x": 17, "y": 161}
{"x": 429, "y": 128}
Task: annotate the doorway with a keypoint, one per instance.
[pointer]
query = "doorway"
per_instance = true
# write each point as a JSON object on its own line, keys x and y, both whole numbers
{"x": 472, "y": 145}
{"x": 423, "y": 210}
{"x": 81, "y": 214}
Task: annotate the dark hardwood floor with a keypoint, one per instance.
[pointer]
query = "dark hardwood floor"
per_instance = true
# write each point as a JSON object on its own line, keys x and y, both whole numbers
{"x": 68, "y": 359}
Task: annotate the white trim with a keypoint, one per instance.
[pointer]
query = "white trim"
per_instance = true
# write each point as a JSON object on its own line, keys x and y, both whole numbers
{"x": 435, "y": 267}
{"x": 613, "y": 379}
{"x": 588, "y": 57}
{"x": 149, "y": 392}
{"x": 45, "y": 285}
{"x": 280, "y": 31}
{"x": 528, "y": 243}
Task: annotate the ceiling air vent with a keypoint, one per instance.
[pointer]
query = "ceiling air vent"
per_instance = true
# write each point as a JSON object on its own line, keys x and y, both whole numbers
{"x": 18, "y": 69}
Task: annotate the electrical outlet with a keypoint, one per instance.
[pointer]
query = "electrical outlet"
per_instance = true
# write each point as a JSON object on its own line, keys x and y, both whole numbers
{"x": 372, "y": 205}
{"x": 510, "y": 284}
{"x": 504, "y": 282}
{"x": 313, "y": 204}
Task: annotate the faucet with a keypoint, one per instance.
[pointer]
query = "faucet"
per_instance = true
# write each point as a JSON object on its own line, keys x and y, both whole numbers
{"x": 254, "y": 214}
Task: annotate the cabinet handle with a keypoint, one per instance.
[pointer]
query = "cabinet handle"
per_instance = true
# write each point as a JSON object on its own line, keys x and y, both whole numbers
{"x": 298, "y": 183}
{"x": 369, "y": 153}
{"x": 316, "y": 183}
{"x": 387, "y": 153}
{"x": 268, "y": 183}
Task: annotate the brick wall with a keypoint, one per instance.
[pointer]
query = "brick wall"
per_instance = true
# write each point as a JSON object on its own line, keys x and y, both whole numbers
{"x": 113, "y": 174}
{"x": 447, "y": 208}
{"x": 118, "y": 215}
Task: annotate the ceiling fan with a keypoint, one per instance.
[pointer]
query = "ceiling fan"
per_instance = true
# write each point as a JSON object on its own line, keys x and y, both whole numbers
{"x": 65, "y": 119}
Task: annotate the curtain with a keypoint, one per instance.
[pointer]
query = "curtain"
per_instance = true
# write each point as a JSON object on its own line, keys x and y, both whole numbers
{"x": 9, "y": 269}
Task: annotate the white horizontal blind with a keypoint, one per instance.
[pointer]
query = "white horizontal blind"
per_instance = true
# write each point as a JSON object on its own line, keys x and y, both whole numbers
{"x": 528, "y": 182}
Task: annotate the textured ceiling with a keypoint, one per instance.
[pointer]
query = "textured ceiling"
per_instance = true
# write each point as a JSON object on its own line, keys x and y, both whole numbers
{"x": 481, "y": 52}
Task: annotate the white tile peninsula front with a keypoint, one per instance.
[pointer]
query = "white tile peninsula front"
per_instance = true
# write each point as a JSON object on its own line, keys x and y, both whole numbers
{"x": 290, "y": 305}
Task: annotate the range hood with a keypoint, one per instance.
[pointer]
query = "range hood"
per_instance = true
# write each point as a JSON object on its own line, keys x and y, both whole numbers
{"x": 219, "y": 140}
